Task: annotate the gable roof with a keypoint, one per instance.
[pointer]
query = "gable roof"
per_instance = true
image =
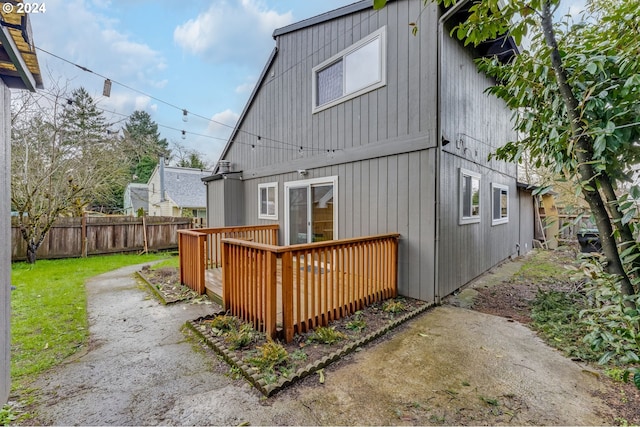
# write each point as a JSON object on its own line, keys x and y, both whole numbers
{"x": 19, "y": 67}
{"x": 503, "y": 47}
{"x": 138, "y": 196}
{"x": 184, "y": 186}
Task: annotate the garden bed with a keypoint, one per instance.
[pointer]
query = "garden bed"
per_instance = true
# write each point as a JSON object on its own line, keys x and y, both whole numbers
{"x": 273, "y": 365}
{"x": 165, "y": 284}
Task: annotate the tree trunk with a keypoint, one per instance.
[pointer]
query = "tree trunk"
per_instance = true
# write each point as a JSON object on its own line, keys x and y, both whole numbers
{"x": 584, "y": 155}
{"x": 626, "y": 239}
{"x": 31, "y": 252}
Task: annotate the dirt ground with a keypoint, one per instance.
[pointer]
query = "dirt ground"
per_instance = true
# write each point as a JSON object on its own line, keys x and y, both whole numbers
{"x": 508, "y": 293}
{"x": 448, "y": 366}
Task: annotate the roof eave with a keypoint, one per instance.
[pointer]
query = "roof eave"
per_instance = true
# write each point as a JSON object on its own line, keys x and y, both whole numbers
{"x": 252, "y": 97}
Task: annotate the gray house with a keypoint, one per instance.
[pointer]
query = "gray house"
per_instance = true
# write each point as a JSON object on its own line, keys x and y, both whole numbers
{"x": 19, "y": 69}
{"x": 356, "y": 127}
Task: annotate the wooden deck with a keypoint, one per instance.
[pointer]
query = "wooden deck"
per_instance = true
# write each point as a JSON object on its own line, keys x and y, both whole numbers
{"x": 284, "y": 290}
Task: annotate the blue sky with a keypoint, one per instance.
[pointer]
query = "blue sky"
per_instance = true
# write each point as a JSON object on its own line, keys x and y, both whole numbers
{"x": 203, "y": 56}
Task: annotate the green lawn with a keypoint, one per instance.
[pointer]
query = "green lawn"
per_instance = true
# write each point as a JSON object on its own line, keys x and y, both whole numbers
{"x": 49, "y": 311}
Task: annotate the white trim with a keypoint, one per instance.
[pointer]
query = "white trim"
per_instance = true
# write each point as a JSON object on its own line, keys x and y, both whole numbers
{"x": 463, "y": 220}
{"x": 268, "y": 185}
{"x": 308, "y": 183}
{"x": 501, "y": 220}
{"x": 381, "y": 34}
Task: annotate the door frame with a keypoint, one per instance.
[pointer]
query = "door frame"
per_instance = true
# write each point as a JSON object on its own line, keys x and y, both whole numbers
{"x": 308, "y": 183}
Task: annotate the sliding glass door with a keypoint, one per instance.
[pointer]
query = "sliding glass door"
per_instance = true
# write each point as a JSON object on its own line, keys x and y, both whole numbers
{"x": 310, "y": 214}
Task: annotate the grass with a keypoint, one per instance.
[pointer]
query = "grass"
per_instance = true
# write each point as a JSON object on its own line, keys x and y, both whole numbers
{"x": 49, "y": 311}
{"x": 173, "y": 262}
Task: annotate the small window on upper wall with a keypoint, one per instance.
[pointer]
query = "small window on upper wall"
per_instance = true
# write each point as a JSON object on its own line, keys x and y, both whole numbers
{"x": 499, "y": 204}
{"x": 268, "y": 200}
{"x": 469, "y": 197}
{"x": 358, "y": 69}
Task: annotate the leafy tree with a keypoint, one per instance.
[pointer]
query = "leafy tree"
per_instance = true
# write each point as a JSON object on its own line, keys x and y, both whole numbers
{"x": 85, "y": 132}
{"x": 574, "y": 95}
{"x": 188, "y": 158}
{"x": 61, "y": 159}
{"x": 142, "y": 145}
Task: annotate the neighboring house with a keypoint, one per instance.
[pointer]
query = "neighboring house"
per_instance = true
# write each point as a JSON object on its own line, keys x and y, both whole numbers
{"x": 175, "y": 191}
{"x": 136, "y": 197}
{"x": 356, "y": 127}
{"x": 19, "y": 69}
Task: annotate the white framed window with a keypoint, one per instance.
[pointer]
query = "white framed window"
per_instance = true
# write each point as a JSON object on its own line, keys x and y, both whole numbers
{"x": 358, "y": 69}
{"x": 499, "y": 204}
{"x": 268, "y": 200}
{"x": 469, "y": 197}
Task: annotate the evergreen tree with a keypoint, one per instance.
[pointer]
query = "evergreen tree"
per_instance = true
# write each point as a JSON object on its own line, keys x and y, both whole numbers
{"x": 142, "y": 145}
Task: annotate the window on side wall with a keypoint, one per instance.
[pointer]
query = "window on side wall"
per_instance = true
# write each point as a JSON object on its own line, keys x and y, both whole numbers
{"x": 469, "y": 197}
{"x": 499, "y": 204}
{"x": 354, "y": 71}
{"x": 268, "y": 201}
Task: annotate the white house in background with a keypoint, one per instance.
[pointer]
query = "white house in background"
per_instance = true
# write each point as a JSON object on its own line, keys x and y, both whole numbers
{"x": 175, "y": 191}
{"x": 136, "y": 197}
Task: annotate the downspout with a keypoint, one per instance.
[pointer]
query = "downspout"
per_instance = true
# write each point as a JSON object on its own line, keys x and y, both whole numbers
{"x": 439, "y": 135}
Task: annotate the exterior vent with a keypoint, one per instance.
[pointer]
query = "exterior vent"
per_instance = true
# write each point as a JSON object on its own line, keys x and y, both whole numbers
{"x": 224, "y": 166}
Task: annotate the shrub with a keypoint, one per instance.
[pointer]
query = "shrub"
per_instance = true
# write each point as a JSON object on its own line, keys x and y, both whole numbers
{"x": 614, "y": 325}
{"x": 269, "y": 356}
{"x": 326, "y": 335}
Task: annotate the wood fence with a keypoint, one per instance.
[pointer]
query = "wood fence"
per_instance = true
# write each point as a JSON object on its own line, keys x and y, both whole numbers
{"x": 76, "y": 237}
{"x": 315, "y": 284}
{"x": 201, "y": 249}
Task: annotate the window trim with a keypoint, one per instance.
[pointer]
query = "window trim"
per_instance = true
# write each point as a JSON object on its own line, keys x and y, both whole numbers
{"x": 501, "y": 220}
{"x": 268, "y": 185}
{"x": 308, "y": 183}
{"x": 463, "y": 220}
{"x": 381, "y": 34}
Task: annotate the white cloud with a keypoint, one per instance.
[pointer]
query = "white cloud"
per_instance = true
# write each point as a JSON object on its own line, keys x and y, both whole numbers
{"x": 237, "y": 30}
{"x": 87, "y": 37}
{"x": 223, "y": 122}
{"x": 246, "y": 87}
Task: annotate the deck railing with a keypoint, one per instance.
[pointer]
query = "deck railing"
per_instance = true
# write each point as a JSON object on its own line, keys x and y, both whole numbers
{"x": 201, "y": 249}
{"x": 319, "y": 282}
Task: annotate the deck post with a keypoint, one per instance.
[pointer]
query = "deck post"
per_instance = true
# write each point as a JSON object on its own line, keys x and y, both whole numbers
{"x": 226, "y": 270}
{"x": 271, "y": 297}
{"x": 394, "y": 267}
{"x": 287, "y": 295}
{"x": 182, "y": 259}
{"x": 201, "y": 257}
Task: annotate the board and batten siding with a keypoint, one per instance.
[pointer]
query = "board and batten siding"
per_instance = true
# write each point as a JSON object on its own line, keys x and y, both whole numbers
{"x": 391, "y": 194}
{"x": 225, "y": 203}
{"x": 396, "y": 118}
{"x": 475, "y": 124}
{"x": 5, "y": 237}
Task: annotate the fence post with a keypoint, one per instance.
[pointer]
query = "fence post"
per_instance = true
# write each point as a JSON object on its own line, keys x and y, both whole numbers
{"x": 287, "y": 295}
{"x": 83, "y": 235}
